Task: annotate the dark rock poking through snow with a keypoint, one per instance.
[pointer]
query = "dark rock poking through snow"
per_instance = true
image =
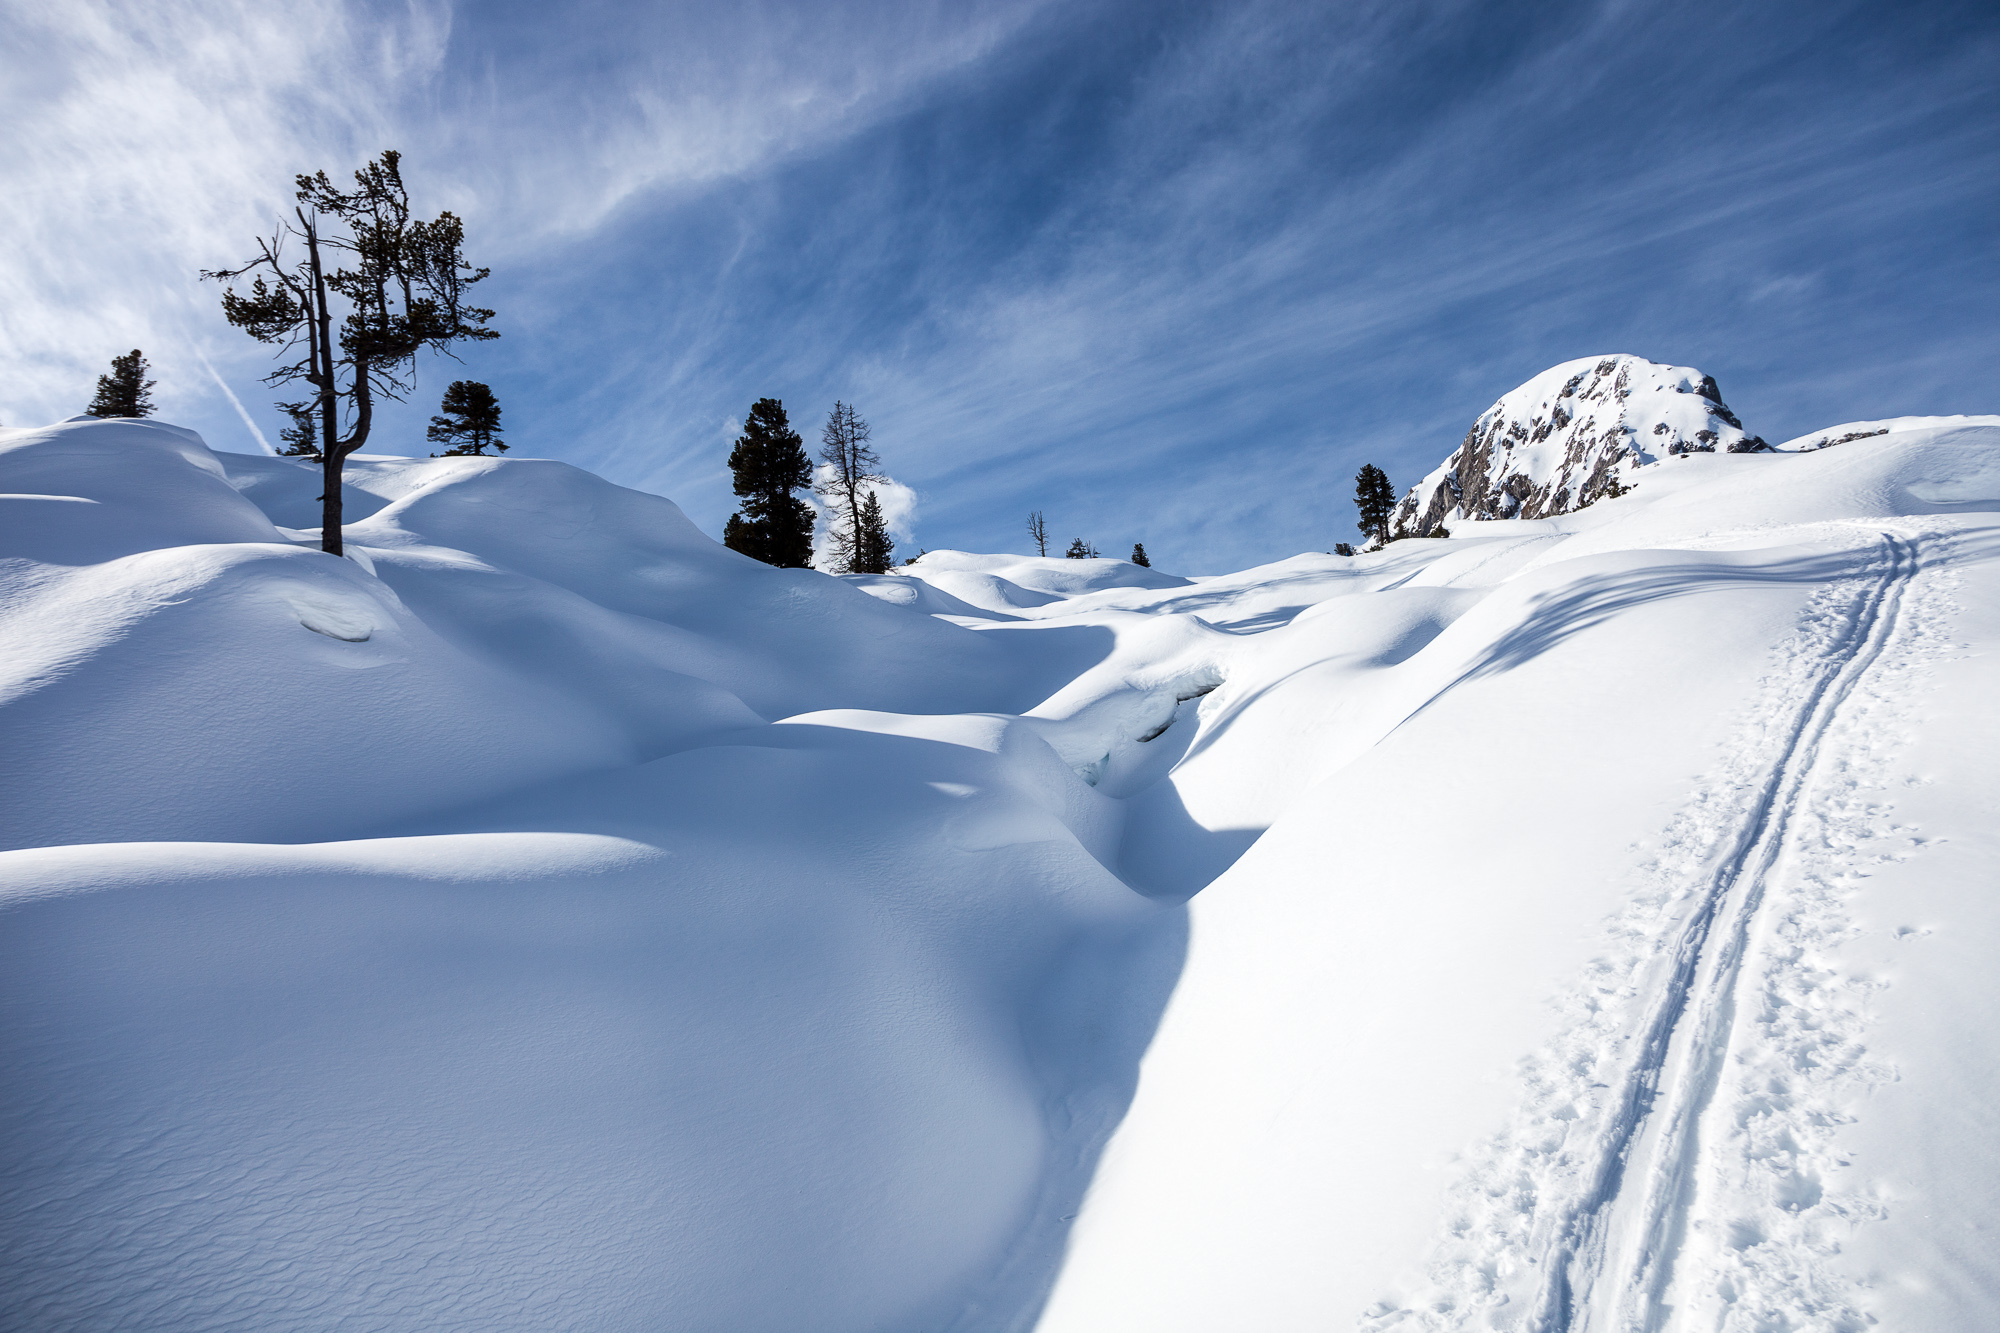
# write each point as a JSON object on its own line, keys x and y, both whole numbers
{"x": 1572, "y": 435}
{"x": 1828, "y": 441}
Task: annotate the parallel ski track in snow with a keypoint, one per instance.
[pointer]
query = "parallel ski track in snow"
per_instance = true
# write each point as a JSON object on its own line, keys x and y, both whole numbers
{"x": 1686, "y": 1036}
{"x": 1587, "y": 1200}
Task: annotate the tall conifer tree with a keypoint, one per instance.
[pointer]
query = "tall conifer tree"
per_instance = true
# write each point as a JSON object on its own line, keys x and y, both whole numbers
{"x": 1375, "y": 498}
{"x": 125, "y": 392}
{"x": 1139, "y": 556}
{"x": 769, "y": 463}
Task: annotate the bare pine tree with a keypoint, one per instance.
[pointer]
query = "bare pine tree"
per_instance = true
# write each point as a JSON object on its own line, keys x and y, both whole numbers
{"x": 844, "y": 449}
{"x": 1038, "y": 533}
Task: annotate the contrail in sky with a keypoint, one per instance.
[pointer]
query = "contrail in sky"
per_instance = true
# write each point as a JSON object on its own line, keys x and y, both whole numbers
{"x": 236, "y": 403}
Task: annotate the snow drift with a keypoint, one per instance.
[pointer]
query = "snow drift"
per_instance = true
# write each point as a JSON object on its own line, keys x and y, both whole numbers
{"x": 548, "y": 918}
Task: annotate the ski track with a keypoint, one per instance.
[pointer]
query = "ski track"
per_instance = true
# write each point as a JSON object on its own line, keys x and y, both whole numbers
{"x": 1677, "y": 1136}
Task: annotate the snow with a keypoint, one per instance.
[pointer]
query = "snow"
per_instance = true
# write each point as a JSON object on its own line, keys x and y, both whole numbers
{"x": 1560, "y": 1000}
{"x": 1570, "y": 436}
{"x": 547, "y": 917}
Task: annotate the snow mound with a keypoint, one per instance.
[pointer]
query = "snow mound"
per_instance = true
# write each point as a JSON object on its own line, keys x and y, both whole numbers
{"x": 1008, "y": 583}
{"x": 547, "y": 918}
{"x": 499, "y": 622}
{"x": 1561, "y": 440}
{"x": 905, "y": 590}
{"x": 92, "y": 490}
{"x": 288, "y": 489}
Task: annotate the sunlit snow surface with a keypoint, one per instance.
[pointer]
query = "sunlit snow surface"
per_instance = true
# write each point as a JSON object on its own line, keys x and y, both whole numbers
{"x": 549, "y": 919}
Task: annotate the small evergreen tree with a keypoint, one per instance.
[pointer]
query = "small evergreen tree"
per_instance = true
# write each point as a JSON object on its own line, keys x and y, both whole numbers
{"x": 302, "y": 436}
{"x": 1341, "y": 548}
{"x": 1376, "y": 499}
{"x": 125, "y": 392}
{"x": 1139, "y": 556}
{"x": 1079, "y": 550}
{"x": 470, "y": 423}
{"x": 769, "y": 463}
{"x": 1038, "y": 533}
{"x": 872, "y": 555}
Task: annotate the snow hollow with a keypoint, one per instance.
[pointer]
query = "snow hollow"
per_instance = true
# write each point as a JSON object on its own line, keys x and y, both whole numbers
{"x": 546, "y": 917}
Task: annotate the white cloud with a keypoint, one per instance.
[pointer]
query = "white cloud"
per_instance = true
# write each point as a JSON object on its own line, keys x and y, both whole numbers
{"x": 148, "y": 141}
{"x": 685, "y": 96}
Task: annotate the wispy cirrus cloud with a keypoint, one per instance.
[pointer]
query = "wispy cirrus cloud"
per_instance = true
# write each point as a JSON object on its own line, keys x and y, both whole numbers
{"x": 1277, "y": 245}
{"x": 1167, "y": 272}
{"x": 149, "y": 140}
{"x": 559, "y": 125}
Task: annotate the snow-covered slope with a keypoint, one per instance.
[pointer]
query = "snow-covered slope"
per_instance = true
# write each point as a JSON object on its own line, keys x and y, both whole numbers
{"x": 548, "y": 918}
{"x": 502, "y": 622}
{"x": 1569, "y": 436}
{"x": 1613, "y": 965}
{"x": 1013, "y": 583}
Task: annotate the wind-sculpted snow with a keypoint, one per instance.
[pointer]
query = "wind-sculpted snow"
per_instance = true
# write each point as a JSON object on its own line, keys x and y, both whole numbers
{"x": 547, "y": 918}
{"x": 1599, "y": 982}
{"x": 1012, "y": 583}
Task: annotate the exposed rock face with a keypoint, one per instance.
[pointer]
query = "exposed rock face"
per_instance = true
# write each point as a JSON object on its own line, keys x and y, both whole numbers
{"x": 1569, "y": 436}
{"x": 1828, "y": 441}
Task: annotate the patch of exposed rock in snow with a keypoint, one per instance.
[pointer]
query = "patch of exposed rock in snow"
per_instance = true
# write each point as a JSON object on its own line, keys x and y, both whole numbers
{"x": 1851, "y": 431}
{"x": 1569, "y": 436}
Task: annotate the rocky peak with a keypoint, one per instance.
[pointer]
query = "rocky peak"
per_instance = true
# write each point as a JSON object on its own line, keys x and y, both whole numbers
{"x": 1568, "y": 437}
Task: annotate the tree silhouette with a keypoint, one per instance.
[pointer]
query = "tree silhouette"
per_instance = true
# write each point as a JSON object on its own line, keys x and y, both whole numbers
{"x": 872, "y": 556}
{"x": 1375, "y": 498}
{"x": 471, "y": 420}
{"x": 768, "y": 463}
{"x": 125, "y": 392}
{"x": 1038, "y": 533}
{"x": 851, "y": 462}
{"x": 403, "y": 285}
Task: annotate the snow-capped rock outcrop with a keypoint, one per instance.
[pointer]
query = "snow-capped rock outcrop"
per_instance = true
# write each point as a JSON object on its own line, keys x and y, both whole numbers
{"x": 1562, "y": 440}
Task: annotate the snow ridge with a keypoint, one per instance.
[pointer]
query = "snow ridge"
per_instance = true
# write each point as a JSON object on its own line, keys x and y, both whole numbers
{"x": 1562, "y": 440}
{"x": 1583, "y": 1209}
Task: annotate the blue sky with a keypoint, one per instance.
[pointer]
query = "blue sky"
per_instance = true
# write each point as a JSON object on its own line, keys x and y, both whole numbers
{"x": 1168, "y": 272}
